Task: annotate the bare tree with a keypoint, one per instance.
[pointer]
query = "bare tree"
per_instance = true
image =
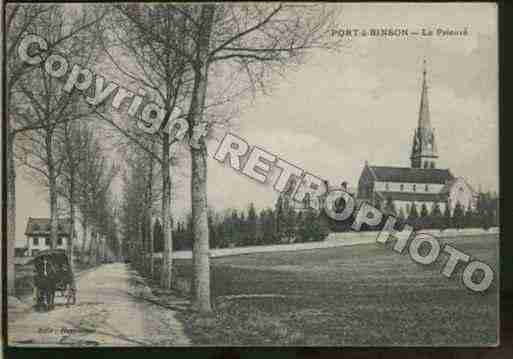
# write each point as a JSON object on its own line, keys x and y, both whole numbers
{"x": 257, "y": 40}
{"x": 76, "y": 140}
{"x": 179, "y": 52}
{"x": 41, "y": 104}
{"x": 159, "y": 69}
{"x": 23, "y": 19}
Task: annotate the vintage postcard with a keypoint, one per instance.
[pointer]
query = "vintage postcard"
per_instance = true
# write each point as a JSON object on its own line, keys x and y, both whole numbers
{"x": 251, "y": 174}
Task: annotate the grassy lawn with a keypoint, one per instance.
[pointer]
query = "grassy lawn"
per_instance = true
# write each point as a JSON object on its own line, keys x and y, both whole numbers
{"x": 355, "y": 295}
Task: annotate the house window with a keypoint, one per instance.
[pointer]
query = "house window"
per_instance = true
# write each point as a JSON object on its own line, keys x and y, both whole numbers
{"x": 47, "y": 241}
{"x": 35, "y": 240}
{"x": 59, "y": 241}
{"x": 36, "y": 227}
{"x": 426, "y": 188}
{"x": 402, "y": 187}
{"x": 426, "y": 164}
{"x": 387, "y": 187}
{"x": 414, "y": 188}
{"x": 35, "y": 252}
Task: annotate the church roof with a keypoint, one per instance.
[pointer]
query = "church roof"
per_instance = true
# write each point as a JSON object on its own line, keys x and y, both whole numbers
{"x": 411, "y": 175}
{"x": 413, "y": 197}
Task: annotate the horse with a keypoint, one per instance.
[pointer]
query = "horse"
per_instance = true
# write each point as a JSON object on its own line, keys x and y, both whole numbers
{"x": 46, "y": 279}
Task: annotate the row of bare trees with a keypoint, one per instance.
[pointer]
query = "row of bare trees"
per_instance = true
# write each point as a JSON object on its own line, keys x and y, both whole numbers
{"x": 202, "y": 59}
{"x": 34, "y": 108}
{"x": 199, "y": 58}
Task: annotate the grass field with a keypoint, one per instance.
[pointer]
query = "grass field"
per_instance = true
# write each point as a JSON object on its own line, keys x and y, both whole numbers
{"x": 355, "y": 295}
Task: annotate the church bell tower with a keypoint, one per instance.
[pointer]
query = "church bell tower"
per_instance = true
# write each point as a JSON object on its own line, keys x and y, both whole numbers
{"x": 424, "y": 153}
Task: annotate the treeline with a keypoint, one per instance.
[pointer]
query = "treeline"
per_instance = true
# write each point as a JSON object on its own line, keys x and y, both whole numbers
{"x": 284, "y": 224}
{"x": 485, "y": 215}
{"x": 236, "y": 228}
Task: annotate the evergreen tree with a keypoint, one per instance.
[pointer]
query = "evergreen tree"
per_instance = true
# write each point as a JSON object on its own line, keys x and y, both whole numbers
{"x": 458, "y": 215}
{"x": 279, "y": 215}
{"x": 436, "y": 216}
{"x": 401, "y": 215}
{"x": 270, "y": 232}
{"x": 220, "y": 234}
{"x": 424, "y": 219}
{"x": 469, "y": 218}
{"x": 235, "y": 229}
{"x": 302, "y": 227}
{"x": 252, "y": 223}
{"x": 413, "y": 216}
{"x": 447, "y": 220}
{"x": 213, "y": 240}
{"x": 390, "y": 207}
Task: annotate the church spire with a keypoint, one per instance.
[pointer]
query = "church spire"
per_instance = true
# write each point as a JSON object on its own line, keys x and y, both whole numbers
{"x": 424, "y": 152}
{"x": 424, "y": 121}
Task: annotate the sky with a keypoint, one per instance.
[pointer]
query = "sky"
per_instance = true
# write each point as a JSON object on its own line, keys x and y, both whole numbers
{"x": 339, "y": 110}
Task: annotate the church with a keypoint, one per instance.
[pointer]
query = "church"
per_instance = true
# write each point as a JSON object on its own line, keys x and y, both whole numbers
{"x": 420, "y": 184}
{"x": 401, "y": 188}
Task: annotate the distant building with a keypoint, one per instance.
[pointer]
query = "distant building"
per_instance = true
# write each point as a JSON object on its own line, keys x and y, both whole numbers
{"x": 422, "y": 183}
{"x": 38, "y": 234}
{"x": 20, "y": 251}
{"x": 309, "y": 201}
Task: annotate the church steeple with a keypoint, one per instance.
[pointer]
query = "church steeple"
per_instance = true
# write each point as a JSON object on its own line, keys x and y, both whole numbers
{"x": 424, "y": 152}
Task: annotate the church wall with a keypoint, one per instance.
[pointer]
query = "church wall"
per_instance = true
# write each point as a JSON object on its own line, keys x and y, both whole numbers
{"x": 462, "y": 193}
{"x": 408, "y": 187}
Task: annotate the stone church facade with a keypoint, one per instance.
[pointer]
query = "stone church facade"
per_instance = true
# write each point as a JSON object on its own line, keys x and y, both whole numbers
{"x": 422, "y": 182}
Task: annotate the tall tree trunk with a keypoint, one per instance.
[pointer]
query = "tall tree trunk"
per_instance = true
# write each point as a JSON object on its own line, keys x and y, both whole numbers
{"x": 149, "y": 218}
{"x": 140, "y": 243}
{"x": 72, "y": 220}
{"x": 91, "y": 247}
{"x": 52, "y": 183}
{"x": 167, "y": 268}
{"x": 151, "y": 249}
{"x": 84, "y": 240}
{"x": 201, "y": 250}
{"x": 11, "y": 209}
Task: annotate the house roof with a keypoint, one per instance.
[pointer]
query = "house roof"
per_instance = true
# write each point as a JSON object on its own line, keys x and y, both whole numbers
{"x": 41, "y": 226}
{"x": 413, "y": 197}
{"x": 411, "y": 175}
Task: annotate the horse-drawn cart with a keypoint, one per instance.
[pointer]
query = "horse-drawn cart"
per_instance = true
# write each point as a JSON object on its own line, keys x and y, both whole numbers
{"x": 53, "y": 275}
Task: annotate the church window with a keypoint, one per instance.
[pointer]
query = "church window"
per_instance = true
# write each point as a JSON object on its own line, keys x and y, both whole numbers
{"x": 414, "y": 188}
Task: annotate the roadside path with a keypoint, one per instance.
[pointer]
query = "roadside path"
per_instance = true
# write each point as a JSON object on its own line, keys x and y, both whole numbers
{"x": 114, "y": 307}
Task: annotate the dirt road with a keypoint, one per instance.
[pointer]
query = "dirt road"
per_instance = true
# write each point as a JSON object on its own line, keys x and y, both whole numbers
{"x": 114, "y": 307}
